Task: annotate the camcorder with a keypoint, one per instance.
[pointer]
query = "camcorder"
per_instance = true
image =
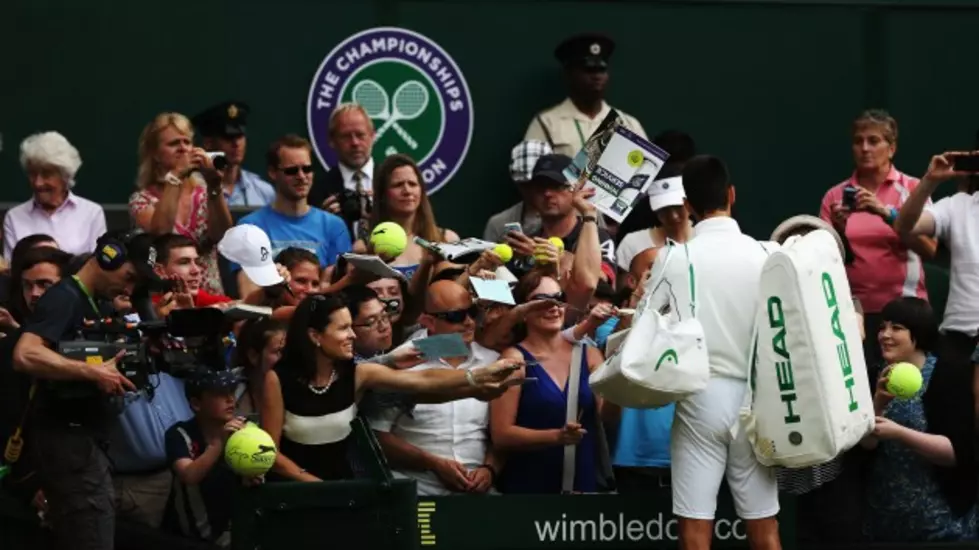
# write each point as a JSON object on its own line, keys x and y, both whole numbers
{"x": 185, "y": 341}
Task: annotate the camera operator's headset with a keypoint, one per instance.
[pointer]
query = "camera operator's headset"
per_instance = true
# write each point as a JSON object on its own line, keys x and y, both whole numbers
{"x": 111, "y": 250}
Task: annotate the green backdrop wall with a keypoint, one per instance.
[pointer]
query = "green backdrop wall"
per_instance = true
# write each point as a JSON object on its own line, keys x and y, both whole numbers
{"x": 771, "y": 86}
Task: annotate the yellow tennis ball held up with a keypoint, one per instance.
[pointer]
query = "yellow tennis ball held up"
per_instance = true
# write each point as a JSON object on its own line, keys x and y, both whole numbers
{"x": 250, "y": 451}
{"x": 904, "y": 380}
{"x": 388, "y": 240}
{"x": 558, "y": 243}
{"x": 504, "y": 252}
{"x": 541, "y": 257}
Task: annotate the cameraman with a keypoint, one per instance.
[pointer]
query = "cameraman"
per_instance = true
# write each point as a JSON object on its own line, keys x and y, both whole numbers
{"x": 73, "y": 412}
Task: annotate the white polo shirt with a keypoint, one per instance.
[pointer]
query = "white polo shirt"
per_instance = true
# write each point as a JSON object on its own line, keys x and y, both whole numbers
{"x": 957, "y": 225}
{"x": 457, "y": 430}
{"x": 727, "y": 270}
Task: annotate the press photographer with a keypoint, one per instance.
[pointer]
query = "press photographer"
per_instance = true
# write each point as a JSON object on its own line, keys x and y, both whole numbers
{"x": 70, "y": 427}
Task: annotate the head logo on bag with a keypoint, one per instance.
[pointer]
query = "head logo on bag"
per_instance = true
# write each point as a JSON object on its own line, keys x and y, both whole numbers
{"x": 668, "y": 355}
{"x": 783, "y": 368}
{"x": 842, "y": 350}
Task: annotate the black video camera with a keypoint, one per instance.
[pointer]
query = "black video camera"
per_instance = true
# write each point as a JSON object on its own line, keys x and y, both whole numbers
{"x": 186, "y": 340}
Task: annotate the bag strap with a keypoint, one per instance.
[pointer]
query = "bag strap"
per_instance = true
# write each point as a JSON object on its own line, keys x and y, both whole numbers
{"x": 547, "y": 133}
{"x": 670, "y": 245}
{"x": 749, "y": 393}
{"x": 571, "y": 415}
{"x": 693, "y": 282}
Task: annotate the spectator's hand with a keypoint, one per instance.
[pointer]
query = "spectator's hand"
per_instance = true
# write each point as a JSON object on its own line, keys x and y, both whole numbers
{"x": 480, "y": 480}
{"x": 601, "y": 313}
{"x": 942, "y": 167}
{"x": 882, "y": 397}
{"x": 407, "y": 357}
{"x": 452, "y": 474}
{"x": 332, "y": 204}
{"x": 494, "y": 373}
{"x": 521, "y": 244}
{"x": 571, "y": 434}
{"x": 885, "y": 428}
{"x": 7, "y": 320}
{"x": 122, "y": 304}
{"x": 867, "y": 201}
{"x": 839, "y": 215}
{"x": 533, "y": 306}
{"x": 488, "y": 261}
{"x": 233, "y": 426}
{"x": 108, "y": 378}
{"x": 581, "y": 196}
{"x": 545, "y": 252}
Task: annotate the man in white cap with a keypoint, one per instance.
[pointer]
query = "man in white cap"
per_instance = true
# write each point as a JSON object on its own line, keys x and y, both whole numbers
{"x": 248, "y": 246}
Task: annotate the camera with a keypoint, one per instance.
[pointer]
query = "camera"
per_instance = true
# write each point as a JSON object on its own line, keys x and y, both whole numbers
{"x": 350, "y": 205}
{"x": 218, "y": 159}
{"x": 178, "y": 345}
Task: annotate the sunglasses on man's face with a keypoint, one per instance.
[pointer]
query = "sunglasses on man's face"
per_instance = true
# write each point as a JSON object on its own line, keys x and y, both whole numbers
{"x": 458, "y": 316}
{"x": 293, "y": 170}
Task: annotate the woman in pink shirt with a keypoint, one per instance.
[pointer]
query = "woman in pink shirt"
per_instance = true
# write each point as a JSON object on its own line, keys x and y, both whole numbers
{"x": 863, "y": 209}
{"x": 179, "y": 191}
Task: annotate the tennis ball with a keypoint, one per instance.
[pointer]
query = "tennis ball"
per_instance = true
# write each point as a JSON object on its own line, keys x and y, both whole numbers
{"x": 250, "y": 451}
{"x": 504, "y": 252}
{"x": 389, "y": 240}
{"x": 558, "y": 243}
{"x": 904, "y": 380}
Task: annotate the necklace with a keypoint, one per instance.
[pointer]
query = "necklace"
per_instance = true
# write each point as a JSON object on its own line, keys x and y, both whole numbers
{"x": 323, "y": 389}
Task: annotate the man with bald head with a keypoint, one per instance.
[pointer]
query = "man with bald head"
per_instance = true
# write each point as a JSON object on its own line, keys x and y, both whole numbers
{"x": 444, "y": 447}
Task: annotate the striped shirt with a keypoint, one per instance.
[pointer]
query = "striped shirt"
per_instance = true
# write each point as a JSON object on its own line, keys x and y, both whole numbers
{"x": 883, "y": 268}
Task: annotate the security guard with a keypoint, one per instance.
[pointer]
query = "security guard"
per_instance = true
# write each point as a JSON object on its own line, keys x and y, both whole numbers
{"x": 569, "y": 124}
{"x": 222, "y": 128}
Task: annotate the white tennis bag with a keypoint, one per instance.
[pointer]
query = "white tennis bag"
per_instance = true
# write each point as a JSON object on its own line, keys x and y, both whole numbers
{"x": 811, "y": 398}
{"x": 663, "y": 358}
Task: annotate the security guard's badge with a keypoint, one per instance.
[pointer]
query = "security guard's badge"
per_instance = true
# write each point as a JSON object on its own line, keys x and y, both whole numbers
{"x": 232, "y": 111}
{"x": 595, "y": 49}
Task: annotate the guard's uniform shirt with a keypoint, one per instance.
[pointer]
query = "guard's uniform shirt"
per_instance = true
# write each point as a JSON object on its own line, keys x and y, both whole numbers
{"x": 567, "y": 129}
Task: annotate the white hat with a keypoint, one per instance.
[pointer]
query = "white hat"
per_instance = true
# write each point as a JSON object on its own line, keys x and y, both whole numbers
{"x": 666, "y": 192}
{"x": 249, "y": 246}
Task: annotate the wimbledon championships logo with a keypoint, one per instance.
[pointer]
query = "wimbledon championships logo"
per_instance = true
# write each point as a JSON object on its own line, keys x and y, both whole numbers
{"x": 412, "y": 90}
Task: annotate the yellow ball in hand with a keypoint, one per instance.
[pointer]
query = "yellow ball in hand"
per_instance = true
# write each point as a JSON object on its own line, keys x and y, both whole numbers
{"x": 504, "y": 252}
{"x": 250, "y": 451}
{"x": 558, "y": 243}
{"x": 388, "y": 240}
{"x": 904, "y": 380}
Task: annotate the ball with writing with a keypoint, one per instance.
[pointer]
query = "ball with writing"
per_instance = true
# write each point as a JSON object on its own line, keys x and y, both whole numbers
{"x": 904, "y": 380}
{"x": 388, "y": 240}
{"x": 250, "y": 451}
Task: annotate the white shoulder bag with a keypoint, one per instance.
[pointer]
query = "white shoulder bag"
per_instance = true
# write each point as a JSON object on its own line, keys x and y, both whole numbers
{"x": 663, "y": 358}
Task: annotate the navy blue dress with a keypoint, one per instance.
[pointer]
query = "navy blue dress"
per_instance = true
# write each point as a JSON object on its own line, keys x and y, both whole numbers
{"x": 543, "y": 406}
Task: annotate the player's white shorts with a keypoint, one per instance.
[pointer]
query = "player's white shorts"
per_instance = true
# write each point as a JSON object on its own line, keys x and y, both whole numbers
{"x": 703, "y": 451}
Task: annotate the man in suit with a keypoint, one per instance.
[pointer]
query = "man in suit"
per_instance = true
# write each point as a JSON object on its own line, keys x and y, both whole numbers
{"x": 347, "y": 188}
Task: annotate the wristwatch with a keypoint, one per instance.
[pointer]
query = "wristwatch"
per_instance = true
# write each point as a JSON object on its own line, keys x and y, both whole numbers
{"x": 586, "y": 219}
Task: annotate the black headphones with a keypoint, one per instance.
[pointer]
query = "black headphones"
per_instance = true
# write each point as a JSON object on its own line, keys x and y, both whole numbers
{"x": 111, "y": 251}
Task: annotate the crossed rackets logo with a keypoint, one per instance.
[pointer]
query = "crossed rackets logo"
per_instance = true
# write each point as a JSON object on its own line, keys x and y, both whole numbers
{"x": 410, "y": 101}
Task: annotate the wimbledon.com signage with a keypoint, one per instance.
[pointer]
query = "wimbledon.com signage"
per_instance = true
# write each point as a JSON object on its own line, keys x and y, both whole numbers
{"x": 581, "y": 521}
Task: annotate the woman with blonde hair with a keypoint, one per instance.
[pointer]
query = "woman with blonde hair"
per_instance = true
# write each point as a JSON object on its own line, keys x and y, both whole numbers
{"x": 179, "y": 191}
{"x": 400, "y": 197}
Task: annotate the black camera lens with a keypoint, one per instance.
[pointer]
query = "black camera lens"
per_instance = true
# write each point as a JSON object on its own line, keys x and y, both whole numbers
{"x": 220, "y": 162}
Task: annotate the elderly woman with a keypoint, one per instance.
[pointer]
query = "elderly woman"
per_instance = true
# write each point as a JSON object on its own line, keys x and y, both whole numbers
{"x": 51, "y": 163}
{"x": 171, "y": 196}
{"x": 863, "y": 208}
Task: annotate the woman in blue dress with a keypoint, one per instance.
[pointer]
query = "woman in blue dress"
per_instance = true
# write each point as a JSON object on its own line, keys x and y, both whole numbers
{"x": 923, "y": 483}
{"x": 528, "y": 421}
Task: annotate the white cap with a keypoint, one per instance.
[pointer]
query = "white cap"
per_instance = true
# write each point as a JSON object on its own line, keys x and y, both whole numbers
{"x": 666, "y": 192}
{"x": 248, "y": 246}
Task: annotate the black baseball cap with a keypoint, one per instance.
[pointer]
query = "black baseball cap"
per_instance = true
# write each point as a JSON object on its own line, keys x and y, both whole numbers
{"x": 549, "y": 170}
{"x": 226, "y": 119}
{"x": 203, "y": 379}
